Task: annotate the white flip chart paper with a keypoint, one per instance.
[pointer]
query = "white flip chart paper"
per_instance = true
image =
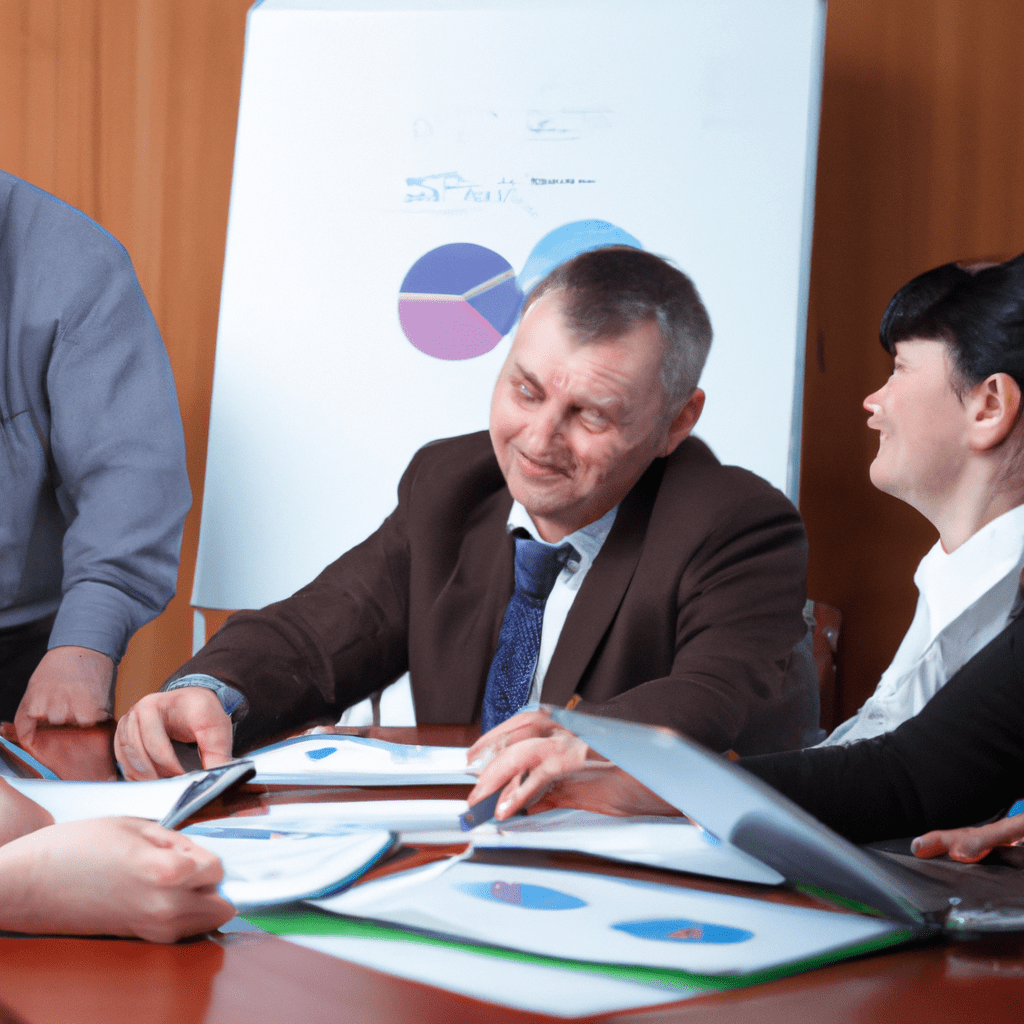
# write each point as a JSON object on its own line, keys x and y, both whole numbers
{"x": 405, "y": 172}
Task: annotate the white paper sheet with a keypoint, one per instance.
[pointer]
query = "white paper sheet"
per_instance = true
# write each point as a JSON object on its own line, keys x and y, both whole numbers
{"x": 369, "y": 138}
{"x": 263, "y": 867}
{"x": 355, "y": 761}
{"x": 671, "y": 843}
{"x": 534, "y": 988}
{"x": 604, "y": 920}
{"x": 73, "y": 801}
{"x": 334, "y": 818}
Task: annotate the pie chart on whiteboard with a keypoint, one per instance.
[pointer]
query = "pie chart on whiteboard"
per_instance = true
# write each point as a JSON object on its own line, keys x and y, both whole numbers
{"x": 458, "y": 301}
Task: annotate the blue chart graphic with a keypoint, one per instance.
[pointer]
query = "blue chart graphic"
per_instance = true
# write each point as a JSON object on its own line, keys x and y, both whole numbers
{"x": 320, "y": 753}
{"x": 458, "y": 301}
{"x": 217, "y": 832}
{"x": 530, "y": 897}
{"x": 567, "y": 241}
{"x": 683, "y": 930}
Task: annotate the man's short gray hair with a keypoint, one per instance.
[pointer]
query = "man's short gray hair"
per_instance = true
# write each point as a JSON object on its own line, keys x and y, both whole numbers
{"x": 607, "y": 292}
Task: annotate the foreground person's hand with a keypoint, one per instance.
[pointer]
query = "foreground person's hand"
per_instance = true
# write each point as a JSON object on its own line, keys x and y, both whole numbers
{"x": 970, "y": 844}
{"x": 142, "y": 744}
{"x": 110, "y": 876}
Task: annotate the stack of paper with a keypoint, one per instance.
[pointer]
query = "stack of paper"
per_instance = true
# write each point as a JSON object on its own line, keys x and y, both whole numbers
{"x": 613, "y": 921}
{"x": 355, "y": 761}
{"x": 334, "y": 818}
{"x": 671, "y": 843}
{"x": 263, "y": 867}
{"x": 73, "y": 801}
{"x": 529, "y": 983}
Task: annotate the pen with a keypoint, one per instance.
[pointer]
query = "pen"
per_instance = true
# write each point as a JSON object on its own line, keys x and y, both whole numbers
{"x": 479, "y": 812}
{"x": 484, "y": 809}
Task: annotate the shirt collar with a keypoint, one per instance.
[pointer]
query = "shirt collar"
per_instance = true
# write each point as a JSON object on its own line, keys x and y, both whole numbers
{"x": 951, "y": 583}
{"x": 586, "y": 541}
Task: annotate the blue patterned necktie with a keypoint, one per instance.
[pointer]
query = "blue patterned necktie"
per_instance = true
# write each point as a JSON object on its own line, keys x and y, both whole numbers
{"x": 511, "y": 672}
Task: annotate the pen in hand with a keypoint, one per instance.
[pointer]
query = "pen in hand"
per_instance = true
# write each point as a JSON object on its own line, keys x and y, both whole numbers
{"x": 483, "y": 810}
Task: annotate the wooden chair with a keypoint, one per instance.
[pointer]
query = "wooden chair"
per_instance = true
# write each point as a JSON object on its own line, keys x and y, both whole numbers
{"x": 826, "y": 621}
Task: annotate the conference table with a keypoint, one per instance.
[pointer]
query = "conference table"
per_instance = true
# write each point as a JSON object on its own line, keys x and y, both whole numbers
{"x": 250, "y": 976}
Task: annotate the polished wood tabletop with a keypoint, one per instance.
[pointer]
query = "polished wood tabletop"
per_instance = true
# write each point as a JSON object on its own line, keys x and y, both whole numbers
{"x": 254, "y": 977}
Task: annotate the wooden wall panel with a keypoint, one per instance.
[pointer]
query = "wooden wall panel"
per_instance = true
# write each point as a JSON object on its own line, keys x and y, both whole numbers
{"x": 127, "y": 109}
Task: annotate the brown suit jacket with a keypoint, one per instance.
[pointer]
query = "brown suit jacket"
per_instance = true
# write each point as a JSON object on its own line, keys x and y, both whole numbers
{"x": 686, "y": 618}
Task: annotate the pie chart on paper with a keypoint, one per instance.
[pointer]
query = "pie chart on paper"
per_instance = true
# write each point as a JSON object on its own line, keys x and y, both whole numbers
{"x": 458, "y": 301}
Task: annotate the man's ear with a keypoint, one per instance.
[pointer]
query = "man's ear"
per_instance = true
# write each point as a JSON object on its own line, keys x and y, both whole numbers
{"x": 994, "y": 407}
{"x": 685, "y": 420}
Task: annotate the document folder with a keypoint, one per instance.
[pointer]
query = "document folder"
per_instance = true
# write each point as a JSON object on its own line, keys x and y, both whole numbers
{"x": 740, "y": 809}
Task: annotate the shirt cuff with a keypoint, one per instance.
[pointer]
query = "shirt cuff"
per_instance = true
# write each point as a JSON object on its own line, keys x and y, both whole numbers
{"x": 97, "y": 616}
{"x": 234, "y": 703}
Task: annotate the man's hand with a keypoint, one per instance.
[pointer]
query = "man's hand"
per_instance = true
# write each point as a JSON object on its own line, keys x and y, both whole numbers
{"x": 970, "y": 844}
{"x": 524, "y": 726}
{"x": 70, "y": 686}
{"x": 524, "y": 754}
{"x": 542, "y": 766}
{"x": 110, "y": 876}
{"x": 192, "y": 714}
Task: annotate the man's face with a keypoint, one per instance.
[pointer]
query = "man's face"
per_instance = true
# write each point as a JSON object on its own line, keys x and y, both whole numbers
{"x": 922, "y": 425}
{"x": 575, "y": 425}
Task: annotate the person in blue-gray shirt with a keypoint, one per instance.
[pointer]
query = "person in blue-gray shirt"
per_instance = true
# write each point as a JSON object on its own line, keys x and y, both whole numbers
{"x": 93, "y": 485}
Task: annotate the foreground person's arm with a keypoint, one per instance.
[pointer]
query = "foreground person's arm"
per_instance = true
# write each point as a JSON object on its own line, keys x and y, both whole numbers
{"x": 19, "y": 815}
{"x": 105, "y": 876}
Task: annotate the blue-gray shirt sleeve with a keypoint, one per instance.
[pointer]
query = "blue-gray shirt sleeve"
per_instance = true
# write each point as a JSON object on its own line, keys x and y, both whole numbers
{"x": 98, "y": 454}
{"x": 234, "y": 703}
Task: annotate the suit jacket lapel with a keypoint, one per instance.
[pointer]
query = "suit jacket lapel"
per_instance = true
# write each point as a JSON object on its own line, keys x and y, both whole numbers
{"x": 466, "y": 620}
{"x": 477, "y": 658}
{"x": 602, "y": 591}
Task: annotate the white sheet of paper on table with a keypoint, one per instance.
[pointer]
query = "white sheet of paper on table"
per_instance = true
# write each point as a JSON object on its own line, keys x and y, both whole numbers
{"x": 73, "y": 801}
{"x": 671, "y": 843}
{"x": 534, "y": 988}
{"x": 357, "y": 761}
{"x": 333, "y": 818}
{"x": 263, "y": 866}
{"x": 605, "y": 920}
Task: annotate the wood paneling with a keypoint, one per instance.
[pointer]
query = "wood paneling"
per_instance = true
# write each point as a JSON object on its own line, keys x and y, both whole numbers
{"x": 127, "y": 109}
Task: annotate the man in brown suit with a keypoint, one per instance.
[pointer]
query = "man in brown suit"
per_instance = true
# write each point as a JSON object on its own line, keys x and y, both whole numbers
{"x": 681, "y": 590}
